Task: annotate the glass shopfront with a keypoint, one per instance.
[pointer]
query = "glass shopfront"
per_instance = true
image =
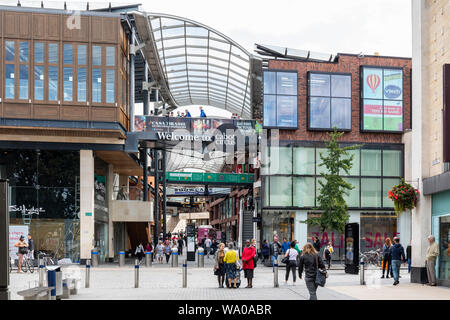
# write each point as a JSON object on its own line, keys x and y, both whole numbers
{"x": 444, "y": 248}
{"x": 278, "y": 222}
{"x": 44, "y": 195}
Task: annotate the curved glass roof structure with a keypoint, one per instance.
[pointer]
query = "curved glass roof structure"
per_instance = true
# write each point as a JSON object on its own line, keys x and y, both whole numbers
{"x": 198, "y": 65}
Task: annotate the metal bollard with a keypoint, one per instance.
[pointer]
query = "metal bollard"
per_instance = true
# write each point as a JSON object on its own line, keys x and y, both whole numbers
{"x": 361, "y": 273}
{"x": 174, "y": 257}
{"x": 121, "y": 258}
{"x": 275, "y": 274}
{"x": 136, "y": 273}
{"x": 88, "y": 273}
{"x": 41, "y": 272}
{"x": 201, "y": 258}
{"x": 94, "y": 258}
{"x": 51, "y": 279}
{"x": 184, "y": 273}
{"x": 148, "y": 259}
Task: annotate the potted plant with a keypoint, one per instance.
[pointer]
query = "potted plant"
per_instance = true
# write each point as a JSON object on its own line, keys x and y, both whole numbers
{"x": 404, "y": 195}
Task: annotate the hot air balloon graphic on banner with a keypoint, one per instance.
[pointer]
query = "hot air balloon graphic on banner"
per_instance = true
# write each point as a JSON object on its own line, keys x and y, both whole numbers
{"x": 373, "y": 81}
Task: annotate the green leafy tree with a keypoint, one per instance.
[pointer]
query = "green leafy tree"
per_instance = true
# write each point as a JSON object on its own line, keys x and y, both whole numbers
{"x": 331, "y": 200}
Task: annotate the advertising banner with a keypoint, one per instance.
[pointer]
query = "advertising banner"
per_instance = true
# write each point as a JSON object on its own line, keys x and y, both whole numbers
{"x": 373, "y": 114}
{"x": 393, "y": 84}
{"x": 393, "y": 115}
{"x": 287, "y": 111}
{"x": 372, "y": 86}
{"x": 14, "y": 234}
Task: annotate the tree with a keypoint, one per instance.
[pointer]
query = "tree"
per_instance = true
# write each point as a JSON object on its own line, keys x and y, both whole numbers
{"x": 331, "y": 200}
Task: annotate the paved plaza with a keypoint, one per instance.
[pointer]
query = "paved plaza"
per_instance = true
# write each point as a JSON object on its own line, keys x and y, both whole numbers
{"x": 109, "y": 282}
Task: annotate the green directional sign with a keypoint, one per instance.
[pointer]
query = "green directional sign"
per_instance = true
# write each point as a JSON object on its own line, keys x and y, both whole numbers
{"x": 205, "y": 178}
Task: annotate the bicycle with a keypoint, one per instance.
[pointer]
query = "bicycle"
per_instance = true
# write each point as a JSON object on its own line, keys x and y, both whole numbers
{"x": 27, "y": 264}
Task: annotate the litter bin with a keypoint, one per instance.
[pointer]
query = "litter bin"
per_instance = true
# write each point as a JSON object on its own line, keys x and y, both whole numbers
{"x": 54, "y": 279}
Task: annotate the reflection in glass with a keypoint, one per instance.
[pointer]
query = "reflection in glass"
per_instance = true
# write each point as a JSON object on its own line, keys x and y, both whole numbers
{"x": 9, "y": 50}
{"x": 110, "y": 79}
{"x": 68, "y": 84}
{"x": 68, "y": 54}
{"x": 287, "y": 83}
{"x": 280, "y": 191}
{"x": 304, "y": 162}
{"x": 38, "y": 83}
{"x": 352, "y": 199}
{"x": 52, "y": 53}
{"x": 110, "y": 56}
{"x": 52, "y": 83}
{"x": 82, "y": 80}
{"x": 371, "y": 193}
{"x": 23, "y": 81}
{"x": 341, "y": 86}
{"x": 82, "y": 54}
{"x": 370, "y": 162}
{"x": 23, "y": 51}
{"x": 392, "y": 160}
{"x": 39, "y": 52}
{"x": 304, "y": 191}
{"x": 270, "y": 111}
{"x": 319, "y": 84}
{"x": 319, "y": 112}
{"x": 9, "y": 81}
{"x": 96, "y": 55}
{"x": 96, "y": 85}
{"x": 341, "y": 109}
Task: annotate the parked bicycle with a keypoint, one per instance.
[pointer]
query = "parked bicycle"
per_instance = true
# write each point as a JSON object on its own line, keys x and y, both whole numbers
{"x": 27, "y": 263}
{"x": 371, "y": 258}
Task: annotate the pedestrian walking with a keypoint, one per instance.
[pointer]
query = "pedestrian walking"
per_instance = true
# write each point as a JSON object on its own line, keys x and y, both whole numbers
{"x": 180, "y": 245}
{"x": 432, "y": 253}
{"x": 231, "y": 260}
{"x": 275, "y": 249}
{"x": 30, "y": 247}
{"x": 219, "y": 266}
{"x": 188, "y": 114}
{"x": 398, "y": 256}
{"x": 208, "y": 247}
{"x": 291, "y": 254}
{"x": 408, "y": 256}
{"x": 160, "y": 252}
{"x": 248, "y": 256}
{"x": 149, "y": 247}
{"x": 328, "y": 252}
{"x": 285, "y": 245}
{"x": 167, "y": 251}
{"x": 316, "y": 243}
{"x": 265, "y": 251}
{"x": 310, "y": 262}
{"x": 139, "y": 252}
{"x": 23, "y": 249}
{"x": 387, "y": 258}
{"x": 202, "y": 113}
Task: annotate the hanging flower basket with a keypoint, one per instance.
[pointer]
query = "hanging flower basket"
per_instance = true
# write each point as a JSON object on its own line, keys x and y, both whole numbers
{"x": 404, "y": 195}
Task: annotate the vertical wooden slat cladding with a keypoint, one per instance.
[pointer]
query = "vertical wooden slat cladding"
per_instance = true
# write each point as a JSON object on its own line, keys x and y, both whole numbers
{"x": 25, "y": 26}
{"x": 73, "y": 32}
{"x": 106, "y": 114}
{"x": 17, "y": 110}
{"x": 53, "y": 23}
{"x": 17, "y": 25}
{"x": 446, "y": 115}
{"x": 104, "y": 29}
{"x": 39, "y": 26}
{"x": 45, "y": 112}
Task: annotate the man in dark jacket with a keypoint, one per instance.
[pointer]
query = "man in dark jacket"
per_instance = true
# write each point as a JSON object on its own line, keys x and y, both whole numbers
{"x": 398, "y": 255}
{"x": 408, "y": 256}
{"x": 275, "y": 249}
{"x": 316, "y": 244}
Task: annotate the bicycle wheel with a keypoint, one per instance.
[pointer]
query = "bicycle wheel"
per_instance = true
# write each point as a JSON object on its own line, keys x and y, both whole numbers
{"x": 24, "y": 265}
{"x": 30, "y": 266}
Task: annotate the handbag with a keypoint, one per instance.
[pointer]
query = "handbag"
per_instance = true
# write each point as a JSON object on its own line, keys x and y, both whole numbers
{"x": 285, "y": 260}
{"x": 238, "y": 263}
{"x": 321, "y": 275}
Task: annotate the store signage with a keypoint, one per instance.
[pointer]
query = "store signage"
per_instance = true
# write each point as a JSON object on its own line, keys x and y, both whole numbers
{"x": 195, "y": 191}
{"x": 26, "y": 211}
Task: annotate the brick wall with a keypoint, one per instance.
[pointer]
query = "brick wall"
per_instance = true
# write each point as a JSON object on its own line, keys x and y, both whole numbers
{"x": 346, "y": 64}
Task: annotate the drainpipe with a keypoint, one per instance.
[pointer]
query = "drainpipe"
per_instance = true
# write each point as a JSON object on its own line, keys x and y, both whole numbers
{"x": 131, "y": 78}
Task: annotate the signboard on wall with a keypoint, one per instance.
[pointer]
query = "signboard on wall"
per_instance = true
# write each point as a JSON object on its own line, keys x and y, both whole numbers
{"x": 382, "y": 99}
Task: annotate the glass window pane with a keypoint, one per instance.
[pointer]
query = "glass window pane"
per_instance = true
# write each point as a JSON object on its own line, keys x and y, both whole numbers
{"x": 96, "y": 55}
{"x": 68, "y": 54}
{"x": 82, "y": 54}
{"x": 371, "y": 193}
{"x": 38, "y": 83}
{"x": 82, "y": 80}
{"x": 303, "y": 192}
{"x": 287, "y": 111}
{"x": 387, "y": 185}
{"x": 372, "y": 86}
{"x": 266, "y": 191}
{"x": 319, "y": 84}
{"x": 9, "y": 81}
{"x": 269, "y": 82}
{"x": 370, "y": 162}
{"x": 270, "y": 111}
{"x": 52, "y": 53}
{"x": 68, "y": 84}
{"x": 39, "y": 52}
{"x": 9, "y": 50}
{"x": 287, "y": 83}
{"x": 341, "y": 113}
{"x": 354, "y": 171}
{"x": 373, "y": 114}
{"x": 393, "y": 115}
{"x": 280, "y": 160}
{"x": 23, "y": 82}
{"x": 319, "y": 187}
{"x": 110, "y": 56}
{"x": 96, "y": 85}
{"x": 280, "y": 191}
{"x": 304, "y": 162}
{"x": 52, "y": 83}
{"x": 320, "y": 169}
{"x": 393, "y": 84}
{"x": 319, "y": 113}
{"x": 352, "y": 198}
{"x": 341, "y": 86}
{"x": 392, "y": 162}
{"x": 23, "y": 51}
{"x": 110, "y": 81}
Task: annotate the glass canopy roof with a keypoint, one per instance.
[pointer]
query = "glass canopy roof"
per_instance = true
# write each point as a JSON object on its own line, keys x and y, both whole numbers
{"x": 201, "y": 65}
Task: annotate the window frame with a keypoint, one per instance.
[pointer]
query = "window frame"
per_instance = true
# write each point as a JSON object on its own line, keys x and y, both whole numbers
{"x": 276, "y": 96}
{"x": 362, "y": 98}
{"x": 308, "y": 100}
{"x": 103, "y": 67}
{"x": 17, "y": 63}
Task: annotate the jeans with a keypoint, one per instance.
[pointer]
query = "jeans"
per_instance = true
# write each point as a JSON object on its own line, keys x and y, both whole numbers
{"x": 409, "y": 265}
{"x": 312, "y": 288}
{"x": 274, "y": 259}
{"x": 291, "y": 265}
{"x": 396, "y": 268}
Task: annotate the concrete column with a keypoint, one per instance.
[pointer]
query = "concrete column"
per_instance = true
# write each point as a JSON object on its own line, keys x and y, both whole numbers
{"x": 404, "y": 227}
{"x": 109, "y": 194}
{"x": 86, "y": 204}
{"x": 301, "y": 229}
